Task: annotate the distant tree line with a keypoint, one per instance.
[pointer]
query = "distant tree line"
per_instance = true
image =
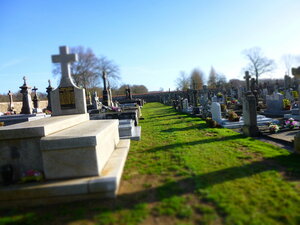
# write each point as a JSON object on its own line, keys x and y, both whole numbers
{"x": 258, "y": 64}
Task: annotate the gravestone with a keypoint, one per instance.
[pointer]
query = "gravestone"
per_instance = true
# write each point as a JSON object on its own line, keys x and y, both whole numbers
{"x": 296, "y": 74}
{"x": 67, "y": 99}
{"x": 48, "y": 90}
{"x": 275, "y": 105}
{"x": 64, "y": 147}
{"x": 216, "y": 112}
{"x": 249, "y": 111}
{"x": 11, "y": 103}
{"x": 128, "y": 93}
{"x": 26, "y": 98}
{"x": 107, "y": 100}
{"x": 36, "y": 101}
{"x": 95, "y": 101}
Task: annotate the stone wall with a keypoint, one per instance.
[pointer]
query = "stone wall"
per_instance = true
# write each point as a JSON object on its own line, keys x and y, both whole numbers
{"x": 18, "y": 106}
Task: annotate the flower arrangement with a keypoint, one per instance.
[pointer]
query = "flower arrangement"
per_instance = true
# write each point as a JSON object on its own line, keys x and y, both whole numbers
{"x": 48, "y": 112}
{"x": 32, "y": 175}
{"x": 211, "y": 123}
{"x": 286, "y": 104}
{"x": 234, "y": 101}
{"x": 219, "y": 95}
{"x": 273, "y": 128}
{"x": 233, "y": 117}
{"x": 115, "y": 109}
{"x": 290, "y": 123}
{"x": 9, "y": 113}
{"x": 223, "y": 107}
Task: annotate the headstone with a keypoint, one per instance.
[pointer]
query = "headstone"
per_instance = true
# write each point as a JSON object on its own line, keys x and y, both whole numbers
{"x": 26, "y": 98}
{"x": 128, "y": 93}
{"x": 67, "y": 99}
{"x": 216, "y": 112}
{"x": 48, "y": 90}
{"x": 35, "y": 99}
{"x": 247, "y": 78}
{"x": 106, "y": 91}
{"x": 95, "y": 101}
{"x": 11, "y": 103}
{"x": 89, "y": 98}
{"x": 287, "y": 82}
{"x": 249, "y": 111}
{"x": 185, "y": 105}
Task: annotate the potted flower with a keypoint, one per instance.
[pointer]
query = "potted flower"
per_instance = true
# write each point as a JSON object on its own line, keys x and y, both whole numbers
{"x": 273, "y": 128}
{"x": 233, "y": 117}
{"x": 211, "y": 123}
{"x": 32, "y": 175}
{"x": 290, "y": 123}
{"x": 286, "y": 104}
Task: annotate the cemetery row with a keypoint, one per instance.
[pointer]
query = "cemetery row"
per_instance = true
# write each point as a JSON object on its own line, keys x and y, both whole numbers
{"x": 75, "y": 147}
{"x": 253, "y": 109}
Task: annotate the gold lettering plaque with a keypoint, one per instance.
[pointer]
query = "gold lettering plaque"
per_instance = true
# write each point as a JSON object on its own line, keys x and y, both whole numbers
{"x": 67, "y": 97}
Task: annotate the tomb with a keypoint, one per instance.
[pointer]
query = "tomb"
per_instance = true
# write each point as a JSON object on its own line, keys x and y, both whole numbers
{"x": 80, "y": 158}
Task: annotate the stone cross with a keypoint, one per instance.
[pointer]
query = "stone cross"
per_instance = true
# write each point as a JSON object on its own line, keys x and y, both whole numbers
{"x": 35, "y": 98}
{"x": 11, "y": 104}
{"x": 247, "y": 78}
{"x": 64, "y": 58}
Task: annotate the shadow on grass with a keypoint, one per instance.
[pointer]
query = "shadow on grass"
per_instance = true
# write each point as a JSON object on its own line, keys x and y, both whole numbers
{"x": 202, "y": 141}
{"x": 197, "y": 126}
{"x": 195, "y": 184}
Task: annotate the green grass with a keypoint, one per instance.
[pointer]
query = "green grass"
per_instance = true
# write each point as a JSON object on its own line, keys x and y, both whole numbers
{"x": 185, "y": 173}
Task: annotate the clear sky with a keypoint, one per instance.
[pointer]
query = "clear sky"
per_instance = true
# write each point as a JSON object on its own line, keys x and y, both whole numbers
{"x": 150, "y": 40}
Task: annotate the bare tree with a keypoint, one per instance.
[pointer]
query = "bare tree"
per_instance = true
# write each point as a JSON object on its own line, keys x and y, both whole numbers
{"x": 196, "y": 79}
{"x": 112, "y": 70}
{"x": 221, "y": 80}
{"x": 288, "y": 60}
{"x": 182, "y": 82}
{"x": 212, "y": 78}
{"x": 258, "y": 63}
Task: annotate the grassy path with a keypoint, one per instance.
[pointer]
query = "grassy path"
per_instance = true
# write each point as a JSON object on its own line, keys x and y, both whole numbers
{"x": 182, "y": 172}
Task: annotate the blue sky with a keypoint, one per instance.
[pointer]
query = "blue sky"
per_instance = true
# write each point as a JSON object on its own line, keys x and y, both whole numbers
{"x": 151, "y": 41}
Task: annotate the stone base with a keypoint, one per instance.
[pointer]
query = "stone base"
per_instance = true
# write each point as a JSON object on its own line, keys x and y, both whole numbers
{"x": 127, "y": 130}
{"x": 297, "y": 143}
{"x": 52, "y": 192}
{"x": 250, "y": 131}
{"x": 288, "y": 116}
{"x": 79, "y": 151}
{"x": 20, "y": 118}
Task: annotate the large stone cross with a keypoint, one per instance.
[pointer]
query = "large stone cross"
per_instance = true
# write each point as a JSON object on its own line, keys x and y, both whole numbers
{"x": 64, "y": 58}
{"x": 247, "y": 78}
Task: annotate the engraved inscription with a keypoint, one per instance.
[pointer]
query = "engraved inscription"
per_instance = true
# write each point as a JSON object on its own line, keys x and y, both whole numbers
{"x": 67, "y": 97}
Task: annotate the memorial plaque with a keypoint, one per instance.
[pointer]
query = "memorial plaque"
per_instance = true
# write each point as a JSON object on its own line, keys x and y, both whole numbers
{"x": 67, "y": 97}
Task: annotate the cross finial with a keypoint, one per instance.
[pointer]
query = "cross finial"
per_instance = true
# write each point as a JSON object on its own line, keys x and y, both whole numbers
{"x": 64, "y": 58}
{"x": 24, "y": 78}
{"x": 247, "y": 77}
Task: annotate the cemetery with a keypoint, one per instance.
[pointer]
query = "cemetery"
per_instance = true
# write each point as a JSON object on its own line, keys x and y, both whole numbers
{"x": 149, "y": 113}
{"x": 78, "y": 151}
